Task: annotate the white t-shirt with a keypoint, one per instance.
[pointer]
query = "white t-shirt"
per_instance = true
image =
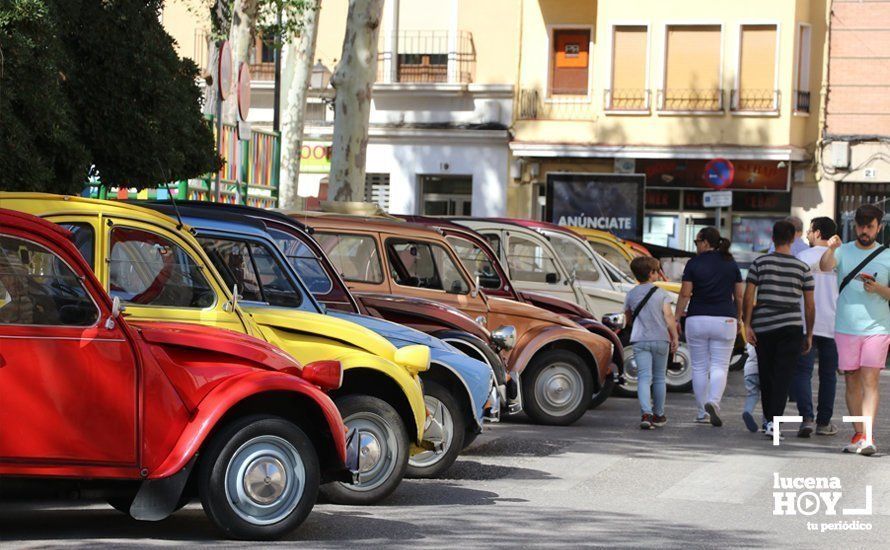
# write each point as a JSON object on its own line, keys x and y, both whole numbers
{"x": 825, "y": 294}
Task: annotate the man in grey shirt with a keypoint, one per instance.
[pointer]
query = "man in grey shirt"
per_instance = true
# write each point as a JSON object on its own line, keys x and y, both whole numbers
{"x": 653, "y": 336}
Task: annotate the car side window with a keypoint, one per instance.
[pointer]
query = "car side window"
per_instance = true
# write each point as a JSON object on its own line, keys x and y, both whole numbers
{"x": 530, "y": 261}
{"x": 39, "y": 288}
{"x": 232, "y": 260}
{"x": 354, "y": 255}
{"x": 148, "y": 269}
{"x": 304, "y": 261}
{"x": 278, "y": 289}
{"x": 494, "y": 241}
{"x": 84, "y": 240}
{"x": 424, "y": 265}
{"x": 576, "y": 257}
{"x": 476, "y": 261}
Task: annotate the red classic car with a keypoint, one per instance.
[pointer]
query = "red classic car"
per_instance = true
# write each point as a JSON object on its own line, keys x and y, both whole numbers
{"x": 149, "y": 415}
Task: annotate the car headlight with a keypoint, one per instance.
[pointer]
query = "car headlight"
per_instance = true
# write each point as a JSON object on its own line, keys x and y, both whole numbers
{"x": 504, "y": 337}
{"x": 614, "y": 321}
{"x": 414, "y": 358}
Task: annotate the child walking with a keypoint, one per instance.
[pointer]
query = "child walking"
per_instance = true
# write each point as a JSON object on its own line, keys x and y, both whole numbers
{"x": 653, "y": 336}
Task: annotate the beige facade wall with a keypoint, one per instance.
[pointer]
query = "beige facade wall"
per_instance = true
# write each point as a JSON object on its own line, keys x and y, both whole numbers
{"x": 183, "y": 22}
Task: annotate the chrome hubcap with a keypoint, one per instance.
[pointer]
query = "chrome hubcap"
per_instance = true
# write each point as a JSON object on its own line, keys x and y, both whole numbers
{"x": 377, "y": 450}
{"x": 558, "y": 389}
{"x": 441, "y": 414}
{"x": 265, "y": 480}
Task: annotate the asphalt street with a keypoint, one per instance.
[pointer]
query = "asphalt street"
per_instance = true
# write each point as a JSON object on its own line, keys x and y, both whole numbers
{"x": 601, "y": 482}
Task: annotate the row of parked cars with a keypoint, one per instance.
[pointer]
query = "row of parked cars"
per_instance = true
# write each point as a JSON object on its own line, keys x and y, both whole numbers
{"x": 153, "y": 353}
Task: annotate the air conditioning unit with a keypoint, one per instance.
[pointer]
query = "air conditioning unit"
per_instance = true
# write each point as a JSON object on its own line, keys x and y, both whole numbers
{"x": 839, "y": 154}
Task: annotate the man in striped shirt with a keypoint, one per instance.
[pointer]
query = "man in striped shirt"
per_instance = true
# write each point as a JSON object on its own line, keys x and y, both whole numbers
{"x": 778, "y": 281}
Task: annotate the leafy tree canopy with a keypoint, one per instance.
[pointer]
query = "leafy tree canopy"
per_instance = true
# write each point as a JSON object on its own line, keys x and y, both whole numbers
{"x": 96, "y": 82}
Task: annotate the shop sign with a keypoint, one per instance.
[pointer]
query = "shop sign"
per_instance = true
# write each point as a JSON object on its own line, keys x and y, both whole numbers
{"x": 761, "y": 202}
{"x": 717, "y": 199}
{"x": 662, "y": 199}
{"x": 609, "y": 202}
{"x": 746, "y": 175}
{"x": 315, "y": 157}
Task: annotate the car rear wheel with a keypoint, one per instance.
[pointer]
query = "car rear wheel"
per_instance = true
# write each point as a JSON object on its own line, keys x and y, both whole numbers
{"x": 679, "y": 372}
{"x": 383, "y": 450}
{"x": 258, "y": 478}
{"x": 444, "y": 408}
{"x": 628, "y": 388}
{"x": 556, "y": 388}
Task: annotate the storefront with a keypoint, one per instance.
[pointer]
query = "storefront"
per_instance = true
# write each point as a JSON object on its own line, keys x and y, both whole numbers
{"x": 673, "y": 199}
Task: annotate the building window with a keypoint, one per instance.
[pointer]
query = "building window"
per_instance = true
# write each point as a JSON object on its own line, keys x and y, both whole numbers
{"x": 802, "y": 85}
{"x": 629, "y": 91}
{"x": 569, "y": 62}
{"x": 446, "y": 195}
{"x": 377, "y": 190}
{"x": 756, "y": 84}
{"x": 692, "y": 69}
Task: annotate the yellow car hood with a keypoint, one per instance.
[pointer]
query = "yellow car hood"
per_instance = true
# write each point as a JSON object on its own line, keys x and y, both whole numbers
{"x": 347, "y": 335}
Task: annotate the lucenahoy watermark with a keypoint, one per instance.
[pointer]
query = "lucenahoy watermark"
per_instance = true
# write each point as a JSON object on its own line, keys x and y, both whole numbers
{"x": 808, "y": 496}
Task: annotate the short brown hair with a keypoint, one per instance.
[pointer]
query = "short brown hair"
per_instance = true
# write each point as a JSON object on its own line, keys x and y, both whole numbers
{"x": 643, "y": 266}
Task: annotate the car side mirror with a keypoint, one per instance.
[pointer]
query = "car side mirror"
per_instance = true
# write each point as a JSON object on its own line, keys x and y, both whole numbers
{"x": 551, "y": 278}
{"x": 116, "y": 309}
{"x": 615, "y": 321}
{"x": 232, "y": 303}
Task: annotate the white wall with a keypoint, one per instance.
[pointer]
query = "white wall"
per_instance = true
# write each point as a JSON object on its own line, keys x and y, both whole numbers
{"x": 486, "y": 162}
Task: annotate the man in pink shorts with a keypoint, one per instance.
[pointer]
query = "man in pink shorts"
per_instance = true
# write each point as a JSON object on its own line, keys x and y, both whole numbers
{"x": 862, "y": 325}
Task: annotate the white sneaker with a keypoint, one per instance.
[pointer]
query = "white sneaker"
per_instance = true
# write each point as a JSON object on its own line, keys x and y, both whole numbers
{"x": 768, "y": 433}
{"x": 706, "y": 419}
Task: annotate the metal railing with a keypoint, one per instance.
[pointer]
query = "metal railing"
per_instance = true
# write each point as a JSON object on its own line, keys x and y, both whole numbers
{"x": 534, "y": 106}
{"x": 626, "y": 100}
{"x": 428, "y": 57}
{"x": 755, "y": 100}
{"x": 801, "y": 101}
{"x": 690, "y": 100}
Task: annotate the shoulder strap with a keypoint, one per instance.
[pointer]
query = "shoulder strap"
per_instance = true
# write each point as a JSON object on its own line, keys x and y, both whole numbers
{"x": 642, "y": 304}
{"x": 851, "y": 275}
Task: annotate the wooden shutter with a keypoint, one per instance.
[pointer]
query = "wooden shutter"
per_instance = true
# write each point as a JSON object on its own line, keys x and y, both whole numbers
{"x": 757, "y": 68}
{"x": 570, "y": 62}
{"x": 629, "y": 45}
{"x": 692, "y": 75}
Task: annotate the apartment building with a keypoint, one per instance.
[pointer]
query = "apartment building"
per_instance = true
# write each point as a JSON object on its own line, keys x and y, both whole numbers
{"x": 855, "y": 145}
{"x": 628, "y": 113}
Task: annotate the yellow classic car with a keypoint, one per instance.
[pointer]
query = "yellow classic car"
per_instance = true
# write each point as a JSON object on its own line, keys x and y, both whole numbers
{"x": 156, "y": 267}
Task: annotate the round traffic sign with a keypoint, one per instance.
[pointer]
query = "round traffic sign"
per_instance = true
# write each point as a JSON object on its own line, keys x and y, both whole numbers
{"x": 719, "y": 173}
{"x": 243, "y": 90}
{"x": 224, "y": 70}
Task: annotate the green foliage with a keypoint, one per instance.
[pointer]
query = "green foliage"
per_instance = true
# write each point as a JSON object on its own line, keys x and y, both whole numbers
{"x": 267, "y": 20}
{"x": 119, "y": 91}
{"x": 39, "y": 146}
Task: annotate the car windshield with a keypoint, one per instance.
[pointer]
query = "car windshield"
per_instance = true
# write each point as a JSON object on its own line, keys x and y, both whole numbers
{"x": 476, "y": 261}
{"x": 614, "y": 256}
{"x": 304, "y": 261}
{"x": 577, "y": 258}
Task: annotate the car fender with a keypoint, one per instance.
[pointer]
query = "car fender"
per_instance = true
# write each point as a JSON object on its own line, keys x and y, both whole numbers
{"x": 227, "y": 395}
{"x": 421, "y": 314}
{"x": 475, "y": 377}
{"x": 598, "y": 348}
{"x": 307, "y": 348}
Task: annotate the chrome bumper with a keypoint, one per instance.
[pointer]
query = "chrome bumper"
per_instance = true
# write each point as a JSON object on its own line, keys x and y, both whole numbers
{"x": 493, "y": 412}
{"x": 433, "y": 434}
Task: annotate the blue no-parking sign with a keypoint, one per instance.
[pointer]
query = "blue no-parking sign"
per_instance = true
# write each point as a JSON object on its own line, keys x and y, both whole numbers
{"x": 719, "y": 173}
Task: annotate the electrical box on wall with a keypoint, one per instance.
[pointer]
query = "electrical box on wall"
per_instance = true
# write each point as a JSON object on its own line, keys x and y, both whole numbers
{"x": 839, "y": 154}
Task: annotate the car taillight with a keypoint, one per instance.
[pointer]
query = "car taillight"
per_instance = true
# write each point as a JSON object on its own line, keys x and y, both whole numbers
{"x": 327, "y": 374}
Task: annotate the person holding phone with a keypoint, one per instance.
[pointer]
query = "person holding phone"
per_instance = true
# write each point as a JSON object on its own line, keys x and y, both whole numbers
{"x": 862, "y": 324}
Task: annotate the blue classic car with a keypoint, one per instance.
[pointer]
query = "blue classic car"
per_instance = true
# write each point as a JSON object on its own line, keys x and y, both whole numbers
{"x": 460, "y": 392}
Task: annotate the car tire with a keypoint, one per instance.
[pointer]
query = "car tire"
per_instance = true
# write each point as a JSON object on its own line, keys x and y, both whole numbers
{"x": 382, "y": 433}
{"x": 266, "y": 446}
{"x": 679, "y": 373}
{"x": 556, "y": 388}
{"x": 604, "y": 393}
{"x": 446, "y": 410}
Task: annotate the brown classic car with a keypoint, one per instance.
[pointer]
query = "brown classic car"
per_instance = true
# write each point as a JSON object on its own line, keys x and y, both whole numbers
{"x": 558, "y": 363}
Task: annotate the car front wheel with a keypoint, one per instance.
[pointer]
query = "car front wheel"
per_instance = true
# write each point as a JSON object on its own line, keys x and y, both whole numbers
{"x": 259, "y": 478}
{"x": 556, "y": 388}
{"x": 445, "y": 410}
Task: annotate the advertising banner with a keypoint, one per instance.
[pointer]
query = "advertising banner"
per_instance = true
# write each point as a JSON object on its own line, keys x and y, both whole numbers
{"x": 609, "y": 202}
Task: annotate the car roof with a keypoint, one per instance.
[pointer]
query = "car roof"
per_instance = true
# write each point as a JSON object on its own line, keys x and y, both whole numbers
{"x": 517, "y": 222}
{"x": 33, "y": 224}
{"x": 371, "y": 223}
{"x": 210, "y": 218}
{"x": 69, "y": 203}
{"x": 241, "y": 209}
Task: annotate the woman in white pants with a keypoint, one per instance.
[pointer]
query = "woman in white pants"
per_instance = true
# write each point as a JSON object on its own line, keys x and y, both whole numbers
{"x": 712, "y": 287}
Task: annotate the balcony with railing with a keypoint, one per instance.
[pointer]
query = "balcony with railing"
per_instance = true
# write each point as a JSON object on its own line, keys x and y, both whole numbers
{"x": 534, "y": 105}
{"x": 755, "y": 101}
{"x": 801, "y": 101}
{"x": 426, "y": 57}
{"x": 701, "y": 100}
{"x": 626, "y": 100}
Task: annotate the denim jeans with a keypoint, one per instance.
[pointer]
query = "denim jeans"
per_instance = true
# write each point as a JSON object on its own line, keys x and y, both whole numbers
{"x": 801, "y": 384}
{"x": 651, "y": 358}
{"x": 752, "y": 389}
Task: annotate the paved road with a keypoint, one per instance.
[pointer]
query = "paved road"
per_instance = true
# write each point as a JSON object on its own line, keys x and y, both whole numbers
{"x": 601, "y": 482}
